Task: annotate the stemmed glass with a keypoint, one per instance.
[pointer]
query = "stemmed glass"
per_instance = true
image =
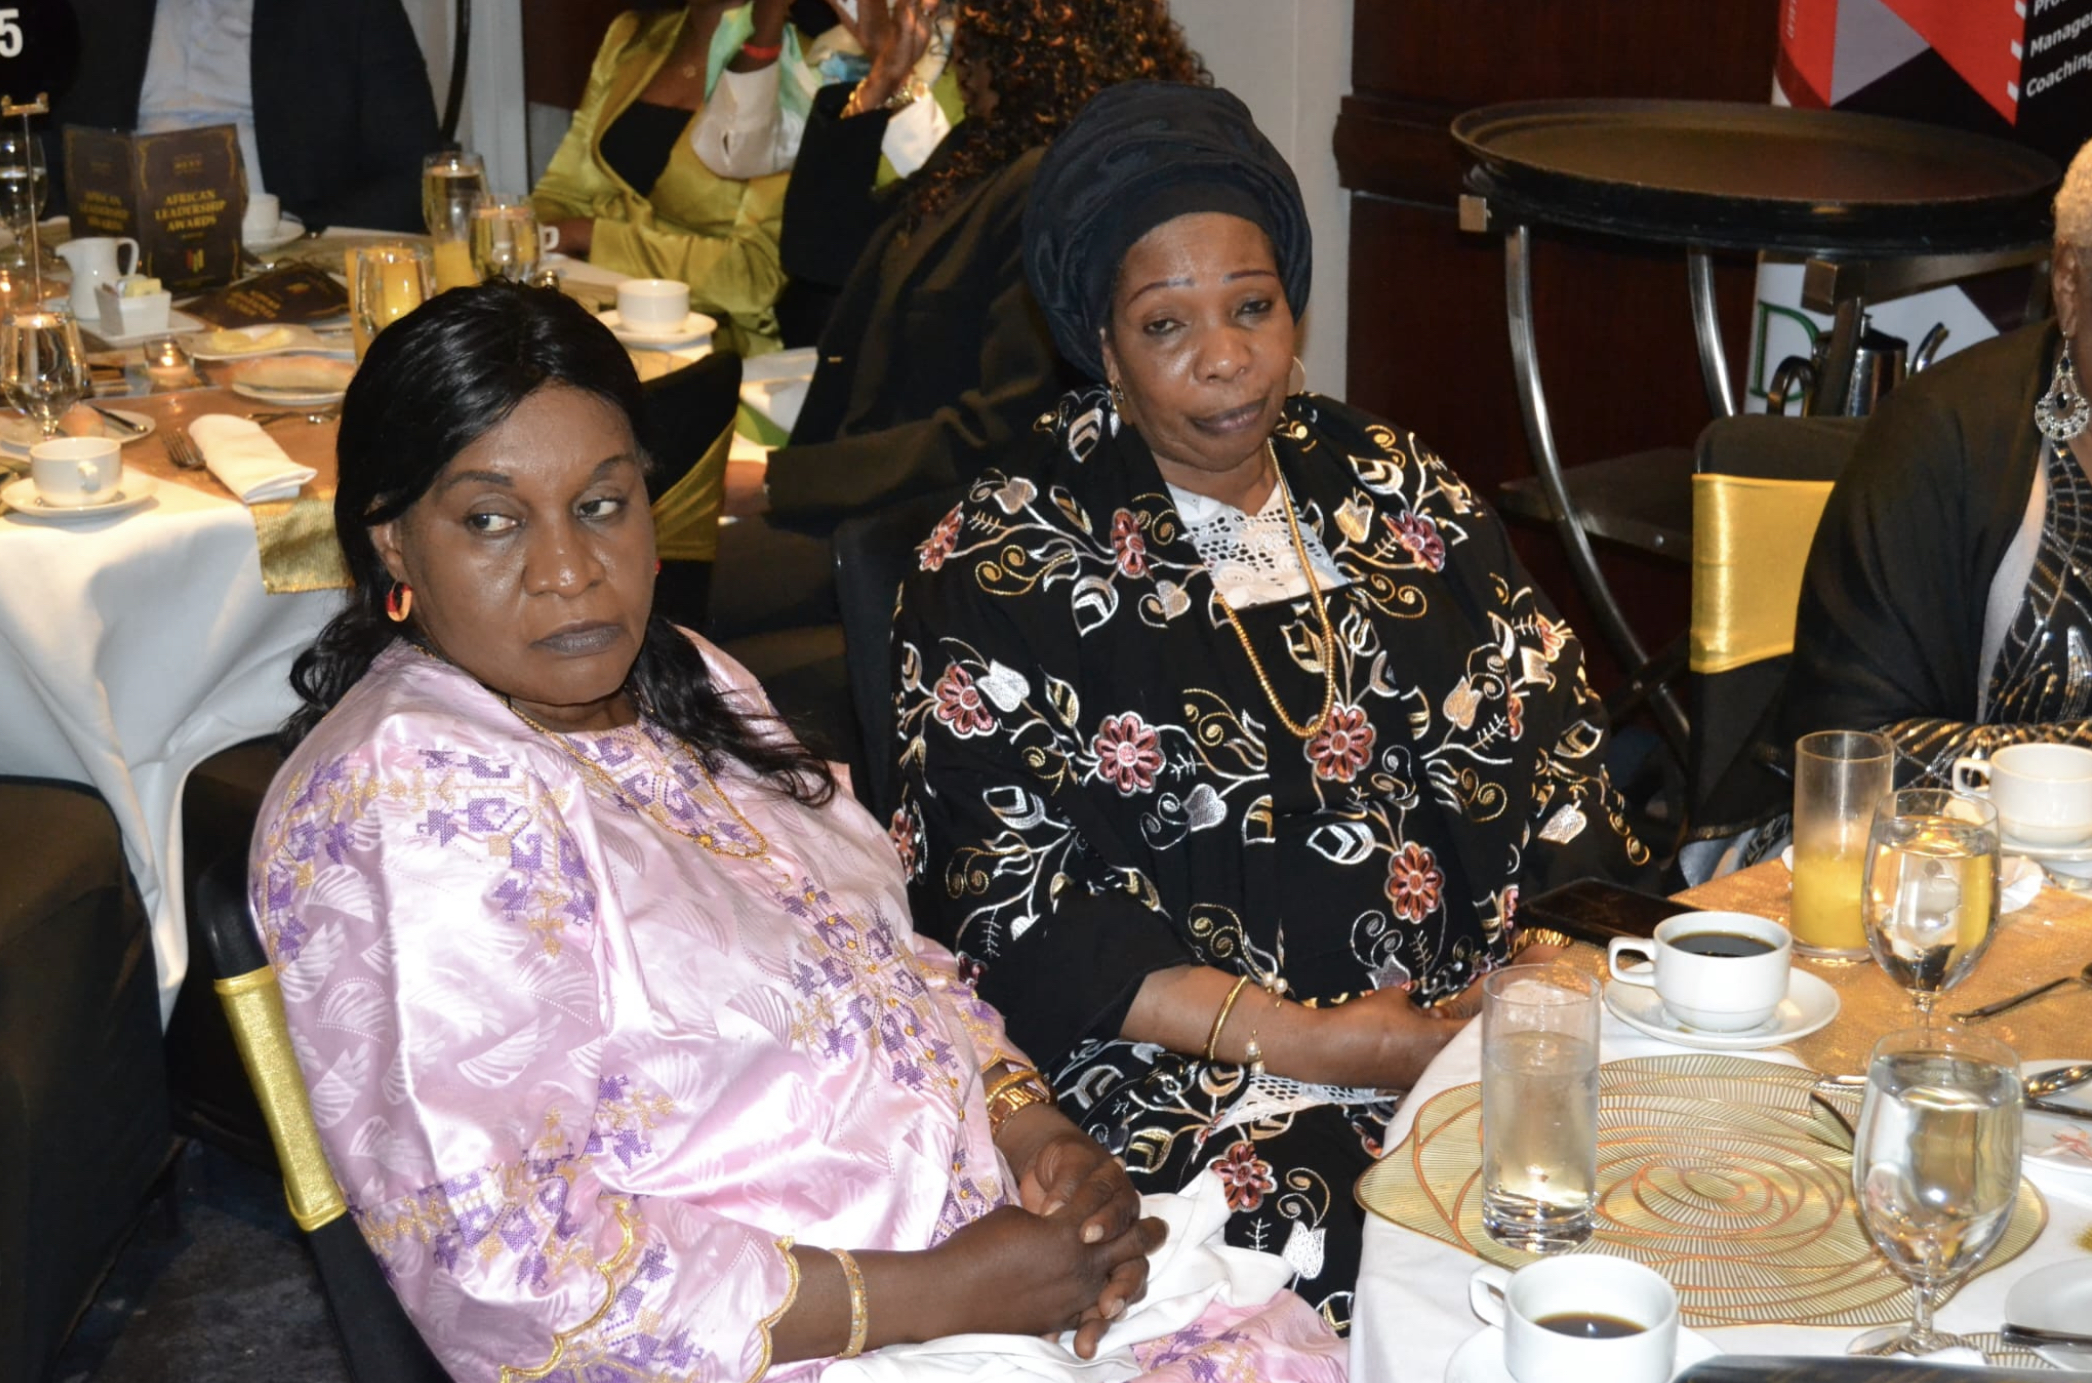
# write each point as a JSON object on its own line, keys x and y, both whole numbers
{"x": 391, "y": 281}
{"x": 506, "y": 238}
{"x": 1931, "y": 893}
{"x": 1935, "y": 1167}
{"x": 23, "y": 187}
{"x": 43, "y": 370}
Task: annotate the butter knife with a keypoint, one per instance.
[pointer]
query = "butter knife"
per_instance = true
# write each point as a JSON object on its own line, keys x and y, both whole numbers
{"x": 2030, "y": 1337}
{"x": 2062, "y": 1111}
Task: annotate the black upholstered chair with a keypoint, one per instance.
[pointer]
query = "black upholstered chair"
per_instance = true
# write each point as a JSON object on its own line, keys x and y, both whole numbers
{"x": 873, "y": 554}
{"x": 688, "y": 427}
{"x": 84, "y": 1134}
{"x": 381, "y": 1344}
{"x": 1759, "y": 487}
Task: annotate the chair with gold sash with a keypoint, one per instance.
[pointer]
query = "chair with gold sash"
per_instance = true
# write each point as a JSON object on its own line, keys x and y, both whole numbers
{"x": 378, "y": 1340}
{"x": 1759, "y": 487}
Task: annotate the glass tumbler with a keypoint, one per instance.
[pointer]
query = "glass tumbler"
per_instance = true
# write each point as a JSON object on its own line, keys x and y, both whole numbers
{"x": 1539, "y": 1107}
{"x": 1840, "y": 776}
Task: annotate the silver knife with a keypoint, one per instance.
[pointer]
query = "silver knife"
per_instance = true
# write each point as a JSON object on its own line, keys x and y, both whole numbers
{"x": 2062, "y": 1111}
{"x": 2031, "y": 1337}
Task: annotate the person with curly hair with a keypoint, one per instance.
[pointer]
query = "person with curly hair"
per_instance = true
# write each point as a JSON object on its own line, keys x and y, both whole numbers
{"x": 935, "y": 357}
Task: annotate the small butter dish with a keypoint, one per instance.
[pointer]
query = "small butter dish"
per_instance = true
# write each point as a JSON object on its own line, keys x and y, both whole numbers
{"x": 135, "y": 315}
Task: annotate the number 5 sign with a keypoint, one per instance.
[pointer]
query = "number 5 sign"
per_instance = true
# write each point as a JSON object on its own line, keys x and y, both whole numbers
{"x": 39, "y": 48}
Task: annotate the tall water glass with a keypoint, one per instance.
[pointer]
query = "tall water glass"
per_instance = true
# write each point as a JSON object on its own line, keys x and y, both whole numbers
{"x": 506, "y": 238}
{"x": 387, "y": 282}
{"x": 451, "y": 182}
{"x": 1931, "y": 888}
{"x": 43, "y": 370}
{"x": 1935, "y": 1166}
{"x": 1839, "y": 778}
{"x": 23, "y": 187}
{"x": 1539, "y": 1107}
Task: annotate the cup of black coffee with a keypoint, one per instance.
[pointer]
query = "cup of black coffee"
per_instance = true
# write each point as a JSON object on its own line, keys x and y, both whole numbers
{"x": 1581, "y": 1317}
{"x": 1715, "y": 971}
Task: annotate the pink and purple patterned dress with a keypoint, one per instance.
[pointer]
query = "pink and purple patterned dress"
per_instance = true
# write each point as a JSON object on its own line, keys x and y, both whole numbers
{"x": 581, "y": 1078}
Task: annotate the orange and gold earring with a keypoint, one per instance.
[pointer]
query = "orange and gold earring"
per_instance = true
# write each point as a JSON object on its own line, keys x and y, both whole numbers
{"x": 399, "y": 602}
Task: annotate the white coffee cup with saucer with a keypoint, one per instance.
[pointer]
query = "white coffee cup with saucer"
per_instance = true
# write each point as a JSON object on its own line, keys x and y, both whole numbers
{"x": 2043, "y": 792}
{"x": 75, "y": 472}
{"x": 1721, "y": 972}
{"x": 1544, "y": 1317}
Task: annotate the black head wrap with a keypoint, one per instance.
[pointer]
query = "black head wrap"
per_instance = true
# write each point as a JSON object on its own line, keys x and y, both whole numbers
{"x": 1140, "y": 154}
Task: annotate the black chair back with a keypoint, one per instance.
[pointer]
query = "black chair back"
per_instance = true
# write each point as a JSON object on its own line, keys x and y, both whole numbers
{"x": 873, "y": 554}
{"x": 1759, "y": 486}
{"x": 381, "y": 1344}
{"x": 687, "y": 411}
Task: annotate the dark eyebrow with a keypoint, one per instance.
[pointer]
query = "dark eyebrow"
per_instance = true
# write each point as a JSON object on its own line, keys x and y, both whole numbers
{"x": 1186, "y": 283}
{"x": 603, "y": 467}
{"x": 1159, "y": 283}
{"x": 1251, "y": 274}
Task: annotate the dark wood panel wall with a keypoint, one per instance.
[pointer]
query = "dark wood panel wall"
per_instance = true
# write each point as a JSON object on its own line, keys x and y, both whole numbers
{"x": 1428, "y": 346}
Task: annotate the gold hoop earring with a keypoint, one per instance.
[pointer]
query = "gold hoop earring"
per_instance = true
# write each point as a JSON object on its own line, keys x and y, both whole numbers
{"x": 1296, "y": 383}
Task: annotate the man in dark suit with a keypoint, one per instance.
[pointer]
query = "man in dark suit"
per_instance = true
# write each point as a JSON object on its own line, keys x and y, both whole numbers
{"x": 340, "y": 101}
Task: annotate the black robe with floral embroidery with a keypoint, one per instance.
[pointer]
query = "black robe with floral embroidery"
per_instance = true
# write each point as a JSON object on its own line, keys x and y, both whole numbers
{"x": 1095, "y": 787}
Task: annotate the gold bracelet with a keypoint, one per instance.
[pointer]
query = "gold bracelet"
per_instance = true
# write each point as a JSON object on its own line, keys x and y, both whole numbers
{"x": 1019, "y": 1075}
{"x": 1008, "y": 1102}
{"x": 1220, "y": 1019}
{"x": 860, "y": 1313}
{"x": 1539, "y": 936}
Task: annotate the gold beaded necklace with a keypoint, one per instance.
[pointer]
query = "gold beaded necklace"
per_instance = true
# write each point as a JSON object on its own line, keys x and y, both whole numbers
{"x": 761, "y": 850}
{"x": 1329, "y": 636}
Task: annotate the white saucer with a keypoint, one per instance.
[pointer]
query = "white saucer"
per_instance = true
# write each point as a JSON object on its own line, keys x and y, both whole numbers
{"x": 288, "y": 228}
{"x": 2058, "y": 1297}
{"x": 2049, "y": 854}
{"x": 1480, "y": 1359}
{"x": 134, "y": 489}
{"x": 17, "y": 435}
{"x": 1810, "y": 1003}
{"x": 696, "y": 327}
{"x": 2063, "y": 1145}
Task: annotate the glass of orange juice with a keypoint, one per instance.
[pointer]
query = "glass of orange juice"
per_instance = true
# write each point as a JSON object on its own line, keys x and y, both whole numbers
{"x": 1840, "y": 776}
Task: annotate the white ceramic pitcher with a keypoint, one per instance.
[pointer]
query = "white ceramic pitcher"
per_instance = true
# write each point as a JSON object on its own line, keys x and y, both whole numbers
{"x": 94, "y": 262}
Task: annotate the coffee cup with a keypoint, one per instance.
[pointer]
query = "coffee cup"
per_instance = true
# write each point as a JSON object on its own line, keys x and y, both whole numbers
{"x": 1715, "y": 971}
{"x": 264, "y": 215}
{"x": 1581, "y": 1317}
{"x": 653, "y": 304}
{"x": 69, "y": 472}
{"x": 2043, "y": 792}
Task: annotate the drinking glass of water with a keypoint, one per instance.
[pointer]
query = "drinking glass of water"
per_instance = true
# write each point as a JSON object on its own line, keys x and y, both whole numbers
{"x": 506, "y": 238}
{"x": 43, "y": 370}
{"x": 1539, "y": 1107}
{"x": 451, "y": 182}
{"x": 1931, "y": 891}
{"x": 1935, "y": 1166}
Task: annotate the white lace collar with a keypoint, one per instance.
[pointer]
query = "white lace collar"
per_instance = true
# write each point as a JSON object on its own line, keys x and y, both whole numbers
{"x": 1251, "y": 556}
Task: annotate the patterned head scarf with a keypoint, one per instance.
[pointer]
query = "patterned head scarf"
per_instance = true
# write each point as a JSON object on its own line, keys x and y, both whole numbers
{"x": 1140, "y": 154}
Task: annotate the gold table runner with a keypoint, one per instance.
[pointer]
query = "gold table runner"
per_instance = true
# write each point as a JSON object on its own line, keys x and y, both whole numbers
{"x": 1719, "y": 1172}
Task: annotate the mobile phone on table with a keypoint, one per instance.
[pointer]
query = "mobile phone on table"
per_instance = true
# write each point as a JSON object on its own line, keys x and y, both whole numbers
{"x": 1596, "y": 911}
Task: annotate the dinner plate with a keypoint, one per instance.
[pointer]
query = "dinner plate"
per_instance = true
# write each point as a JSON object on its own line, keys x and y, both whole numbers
{"x": 295, "y": 338}
{"x": 1810, "y": 1003}
{"x": 289, "y": 398}
{"x": 132, "y": 490}
{"x": 2058, "y": 1297}
{"x": 2062, "y": 1144}
{"x": 1480, "y": 1359}
{"x": 696, "y": 327}
{"x": 17, "y": 435}
{"x": 288, "y": 228}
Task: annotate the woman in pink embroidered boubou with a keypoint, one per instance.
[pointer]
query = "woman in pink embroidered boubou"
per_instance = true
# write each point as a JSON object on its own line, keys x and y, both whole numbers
{"x": 619, "y": 1038}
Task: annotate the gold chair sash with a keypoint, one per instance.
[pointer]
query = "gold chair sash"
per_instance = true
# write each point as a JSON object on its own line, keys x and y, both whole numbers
{"x": 1750, "y": 542}
{"x": 686, "y": 518}
{"x": 254, "y": 1007}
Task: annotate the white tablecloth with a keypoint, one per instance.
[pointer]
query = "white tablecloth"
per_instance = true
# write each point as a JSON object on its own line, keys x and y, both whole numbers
{"x": 133, "y": 648}
{"x": 1412, "y": 1310}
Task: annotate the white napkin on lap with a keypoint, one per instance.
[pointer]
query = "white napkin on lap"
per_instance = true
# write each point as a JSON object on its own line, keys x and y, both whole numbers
{"x": 246, "y": 459}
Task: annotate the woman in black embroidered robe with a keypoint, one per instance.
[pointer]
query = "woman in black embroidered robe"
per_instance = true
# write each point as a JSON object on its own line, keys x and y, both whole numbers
{"x": 1230, "y": 851}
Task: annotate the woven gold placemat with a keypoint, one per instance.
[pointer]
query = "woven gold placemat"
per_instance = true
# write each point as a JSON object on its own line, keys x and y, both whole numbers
{"x": 1717, "y": 1171}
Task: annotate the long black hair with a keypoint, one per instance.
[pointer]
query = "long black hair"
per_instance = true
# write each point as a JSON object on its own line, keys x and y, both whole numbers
{"x": 433, "y": 383}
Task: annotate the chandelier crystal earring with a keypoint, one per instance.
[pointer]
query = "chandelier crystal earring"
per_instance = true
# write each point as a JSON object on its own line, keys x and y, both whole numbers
{"x": 1118, "y": 406}
{"x": 2063, "y": 412}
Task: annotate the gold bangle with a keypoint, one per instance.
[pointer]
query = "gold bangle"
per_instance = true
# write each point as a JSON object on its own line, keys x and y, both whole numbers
{"x": 1539, "y": 936}
{"x": 1220, "y": 1019}
{"x": 1020, "y": 1075}
{"x": 1007, "y": 1104}
{"x": 860, "y": 1313}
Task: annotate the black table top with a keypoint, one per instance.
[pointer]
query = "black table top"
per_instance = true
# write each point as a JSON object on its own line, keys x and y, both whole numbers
{"x": 1736, "y": 176}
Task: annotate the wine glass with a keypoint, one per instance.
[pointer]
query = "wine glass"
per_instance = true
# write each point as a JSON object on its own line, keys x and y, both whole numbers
{"x": 1931, "y": 891}
{"x": 1935, "y": 1166}
{"x": 43, "y": 370}
{"x": 505, "y": 237}
{"x": 23, "y": 187}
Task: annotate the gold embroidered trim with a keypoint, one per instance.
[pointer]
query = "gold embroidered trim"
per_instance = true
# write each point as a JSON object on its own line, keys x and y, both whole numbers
{"x": 512, "y": 1374}
{"x": 784, "y": 1246}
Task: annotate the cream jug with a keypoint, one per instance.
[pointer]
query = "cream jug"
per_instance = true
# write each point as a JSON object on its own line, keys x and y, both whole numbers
{"x": 94, "y": 262}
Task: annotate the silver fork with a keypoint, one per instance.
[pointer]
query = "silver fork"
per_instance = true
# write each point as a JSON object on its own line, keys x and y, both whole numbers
{"x": 182, "y": 450}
